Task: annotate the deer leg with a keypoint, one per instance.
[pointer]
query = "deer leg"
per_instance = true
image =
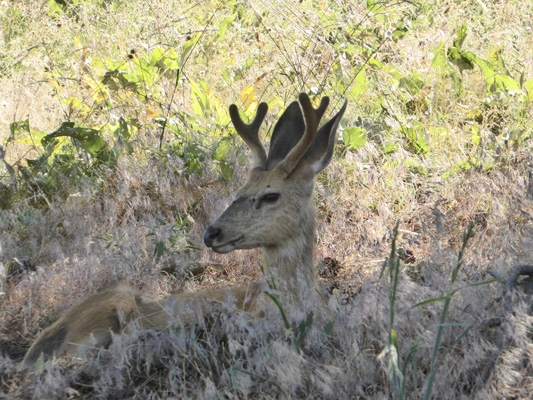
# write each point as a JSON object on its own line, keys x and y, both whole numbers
{"x": 86, "y": 325}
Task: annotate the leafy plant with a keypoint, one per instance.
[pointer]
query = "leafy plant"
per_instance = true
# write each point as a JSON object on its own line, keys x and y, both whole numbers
{"x": 175, "y": 242}
{"x": 354, "y": 137}
{"x": 397, "y": 371}
{"x": 300, "y": 331}
{"x": 415, "y": 137}
{"x": 507, "y": 93}
{"x": 397, "y": 367}
{"x": 113, "y": 242}
{"x": 69, "y": 153}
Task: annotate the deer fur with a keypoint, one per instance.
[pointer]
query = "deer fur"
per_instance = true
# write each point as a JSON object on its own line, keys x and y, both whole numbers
{"x": 273, "y": 210}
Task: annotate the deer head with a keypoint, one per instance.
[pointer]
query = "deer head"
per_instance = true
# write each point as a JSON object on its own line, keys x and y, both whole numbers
{"x": 274, "y": 208}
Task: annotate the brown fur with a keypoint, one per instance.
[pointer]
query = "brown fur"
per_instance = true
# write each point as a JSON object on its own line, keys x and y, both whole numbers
{"x": 274, "y": 210}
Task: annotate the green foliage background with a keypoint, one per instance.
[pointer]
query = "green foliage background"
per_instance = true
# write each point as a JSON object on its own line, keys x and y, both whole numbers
{"x": 171, "y": 79}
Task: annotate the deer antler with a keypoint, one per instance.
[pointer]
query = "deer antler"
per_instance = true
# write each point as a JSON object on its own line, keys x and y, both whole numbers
{"x": 312, "y": 118}
{"x": 250, "y": 132}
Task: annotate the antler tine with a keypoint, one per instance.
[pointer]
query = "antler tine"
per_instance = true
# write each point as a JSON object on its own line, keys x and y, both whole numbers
{"x": 250, "y": 132}
{"x": 312, "y": 119}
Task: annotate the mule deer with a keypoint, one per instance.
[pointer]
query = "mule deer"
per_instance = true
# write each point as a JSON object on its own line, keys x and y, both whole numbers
{"x": 273, "y": 210}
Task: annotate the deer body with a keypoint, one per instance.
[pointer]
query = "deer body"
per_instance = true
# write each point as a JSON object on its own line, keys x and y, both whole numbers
{"x": 273, "y": 210}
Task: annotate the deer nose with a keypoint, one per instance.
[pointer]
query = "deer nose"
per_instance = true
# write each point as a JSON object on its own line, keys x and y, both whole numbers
{"x": 210, "y": 235}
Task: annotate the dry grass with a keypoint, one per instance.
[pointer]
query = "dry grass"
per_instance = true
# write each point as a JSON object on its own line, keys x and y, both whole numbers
{"x": 99, "y": 232}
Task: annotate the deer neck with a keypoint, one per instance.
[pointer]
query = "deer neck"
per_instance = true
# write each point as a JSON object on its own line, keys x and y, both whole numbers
{"x": 289, "y": 268}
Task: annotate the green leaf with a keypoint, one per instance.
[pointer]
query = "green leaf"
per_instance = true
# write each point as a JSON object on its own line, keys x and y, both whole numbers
{"x": 328, "y": 328}
{"x": 461, "y": 36}
{"x": 374, "y": 63}
{"x": 157, "y": 55}
{"x": 415, "y": 168}
{"x": 390, "y": 148}
{"x": 19, "y": 127}
{"x": 360, "y": 85}
{"x": 122, "y": 135}
{"x": 476, "y": 135}
{"x": 488, "y": 70}
{"x": 159, "y": 250}
{"x": 228, "y": 78}
{"x": 458, "y": 58}
{"x": 491, "y": 72}
{"x": 194, "y": 157}
{"x": 354, "y": 137}
{"x": 400, "y": 31}
{"x": 226, "y": 171}
{"x": 505, "y": 83}
{"x": 341, "y": 81}
{"x": 415, "y": 136}
{"x": 529, "y": 88}
{"x": 276, "y": 301}
{"x": 223, "y": 27}
{"x": 423, "y": 303}
{"x": 57, "y": 10}
{"x": 200, "y": 101}
{"x": 374, "y": 5}
{"x": 39, "y": 164}
{"x": 10, "y": 170}
{"x": 221, "y": 150}
{"x": 522, "y": 78}
{"x": 393, "y": 70}
{"x": 90, "y": 139}
{"x": 413, "y": 83}
{"x": 188, "y": 48}
{"x": 497, "y": 59}
{"x": 439, "y": 62}
{"x": 464, "y": 60}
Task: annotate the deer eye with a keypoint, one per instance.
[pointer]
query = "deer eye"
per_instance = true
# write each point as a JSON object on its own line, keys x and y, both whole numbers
{"x": 269, "y": 198}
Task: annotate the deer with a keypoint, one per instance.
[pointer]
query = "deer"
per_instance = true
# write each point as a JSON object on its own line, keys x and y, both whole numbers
{"x": 274, "y": 210}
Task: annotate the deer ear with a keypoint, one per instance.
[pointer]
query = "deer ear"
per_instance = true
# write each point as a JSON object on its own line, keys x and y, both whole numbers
{"x": 318, "y": 156}
{"x": 287, "y": 133}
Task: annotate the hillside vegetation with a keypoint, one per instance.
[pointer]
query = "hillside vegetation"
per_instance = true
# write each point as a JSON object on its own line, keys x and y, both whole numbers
{"x": 117, "y": 152}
